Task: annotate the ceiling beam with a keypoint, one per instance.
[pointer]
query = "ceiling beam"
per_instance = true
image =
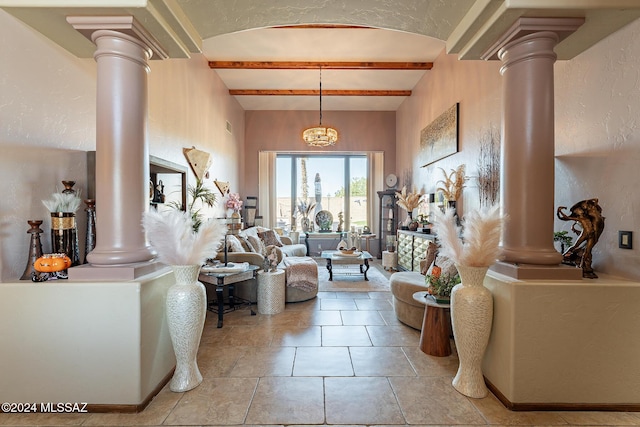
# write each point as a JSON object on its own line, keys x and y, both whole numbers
{"x": 312, "y": 65}
{"x": 315, "y": 92}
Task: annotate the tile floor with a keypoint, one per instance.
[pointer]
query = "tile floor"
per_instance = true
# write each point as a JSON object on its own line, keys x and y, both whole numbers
{"x": 340, "y": 359}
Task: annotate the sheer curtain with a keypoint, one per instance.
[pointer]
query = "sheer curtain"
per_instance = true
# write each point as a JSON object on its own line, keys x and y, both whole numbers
{"x": 376, "y": 183}
{"x": 267, "y": 187}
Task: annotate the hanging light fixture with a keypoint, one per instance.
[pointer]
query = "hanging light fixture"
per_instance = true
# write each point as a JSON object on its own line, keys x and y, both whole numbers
{"x": 320, "y": 136}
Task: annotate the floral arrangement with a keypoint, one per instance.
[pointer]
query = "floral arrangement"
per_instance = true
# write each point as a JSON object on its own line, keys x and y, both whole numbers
{"x": 233, "y": 202}
{"x": 305, "y": 208}
{"x": 408, "y": 201}
{"x": 62, "y": 202}
{"x": 479, "y": 245}
{"x": 172, "y": 236}
{"x": 440, "y": 284}
{"x": 453, "y": 183}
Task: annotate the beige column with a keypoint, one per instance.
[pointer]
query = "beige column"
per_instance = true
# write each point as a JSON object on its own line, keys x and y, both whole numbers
{"x": 123, "y": 49}
{"x": 122, "y": 166}
{"x": 527, "y": 180}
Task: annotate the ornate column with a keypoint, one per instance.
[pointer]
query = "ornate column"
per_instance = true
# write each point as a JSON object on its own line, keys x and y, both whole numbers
{"x": 122, "y": 155}
{"x": 527, "y": 181}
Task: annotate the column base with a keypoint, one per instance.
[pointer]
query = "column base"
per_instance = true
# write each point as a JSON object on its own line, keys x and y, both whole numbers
{"x": 89, "y": 272}
{"x": 537, "y": 272}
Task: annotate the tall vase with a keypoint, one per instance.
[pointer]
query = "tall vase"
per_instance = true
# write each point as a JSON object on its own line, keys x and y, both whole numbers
{"x": 90, "y": 240}
{"x": 471, "y": 318}
{"x": 186, "y": 311}
{"x": 64, "y": 235}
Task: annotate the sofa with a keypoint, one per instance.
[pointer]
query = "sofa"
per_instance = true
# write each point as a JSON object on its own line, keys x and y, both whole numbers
{"x": 249, "y": 246}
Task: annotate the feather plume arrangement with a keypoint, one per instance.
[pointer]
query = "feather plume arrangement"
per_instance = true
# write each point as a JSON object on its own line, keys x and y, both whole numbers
{"x": 453, "y": 183}
{"x": 408, "y": 201}
{"x": 479, "y": 246}
{"x": 172, "y": 236}
{"x": 62, "y": 202}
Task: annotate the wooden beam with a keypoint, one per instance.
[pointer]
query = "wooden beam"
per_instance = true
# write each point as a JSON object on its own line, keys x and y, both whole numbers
{"x": 311, "y": 65}
{"x": 316, "y": 92}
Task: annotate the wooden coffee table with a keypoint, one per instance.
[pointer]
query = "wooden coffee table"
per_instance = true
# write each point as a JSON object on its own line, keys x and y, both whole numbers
{"x": 334, "y": 257}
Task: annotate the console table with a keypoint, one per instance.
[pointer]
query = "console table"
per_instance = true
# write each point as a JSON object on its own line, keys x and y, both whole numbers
{"x": 326, "y": 241}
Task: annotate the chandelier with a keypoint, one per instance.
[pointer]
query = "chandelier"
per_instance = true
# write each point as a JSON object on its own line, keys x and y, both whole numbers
{"x": 320, "y": 136}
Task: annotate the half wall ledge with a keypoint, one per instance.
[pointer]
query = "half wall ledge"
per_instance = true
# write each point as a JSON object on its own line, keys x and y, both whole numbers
{"x": 564, "y": 345}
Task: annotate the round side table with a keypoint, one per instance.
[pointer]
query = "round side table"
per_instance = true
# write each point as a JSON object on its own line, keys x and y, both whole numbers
{"x": 389, "y": 260}
{"x": 434, "y": 337}
{"x": 271, "y": 292}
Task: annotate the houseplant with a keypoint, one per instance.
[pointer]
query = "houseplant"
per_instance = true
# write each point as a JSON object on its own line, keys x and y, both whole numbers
{"x": 471, "y": 302}
{"x": 441, "y": 284}
{"x": 173, "y": 236}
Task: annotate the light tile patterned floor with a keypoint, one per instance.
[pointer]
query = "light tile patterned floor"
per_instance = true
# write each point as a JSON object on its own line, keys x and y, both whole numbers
{"x": 340, "y": 359}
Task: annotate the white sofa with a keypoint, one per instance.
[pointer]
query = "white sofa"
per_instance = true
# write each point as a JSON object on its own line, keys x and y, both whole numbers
{"x": 288, "y": 248}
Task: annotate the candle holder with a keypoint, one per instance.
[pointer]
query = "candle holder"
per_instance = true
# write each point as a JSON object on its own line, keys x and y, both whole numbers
{"x": 35, "y": 248}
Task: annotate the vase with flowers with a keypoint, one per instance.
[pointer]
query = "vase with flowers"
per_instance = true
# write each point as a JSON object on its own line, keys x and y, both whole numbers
{"x": 64, "y": 230}
{"x": 305, "y": 208}
{"x": 173, "y": 236}
{"x": 471, "y": 303}
{"x": 440, "y": 285}
{"x": 409, "y": 201}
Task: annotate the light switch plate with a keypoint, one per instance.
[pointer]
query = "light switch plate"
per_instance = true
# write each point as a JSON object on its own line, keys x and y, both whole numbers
{"x": 624, "y": 239}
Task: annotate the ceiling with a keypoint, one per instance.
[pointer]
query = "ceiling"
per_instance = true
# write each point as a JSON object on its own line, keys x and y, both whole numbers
{"x": 359, "y": 88}
{"x": 384, "y": 47}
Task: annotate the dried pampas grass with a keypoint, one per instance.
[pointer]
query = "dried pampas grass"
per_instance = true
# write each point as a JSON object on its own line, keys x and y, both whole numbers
{"x": 62, "y": 202}
{"x": 479, "y": 246}
{"x": 172, "y": 236}
{"x": 408, "y": 201}
{"x": 453, "y": 183}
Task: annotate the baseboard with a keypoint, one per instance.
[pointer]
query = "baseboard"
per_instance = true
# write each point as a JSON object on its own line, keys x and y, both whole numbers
{"x": 558, "y": 406}
{"x": 131, "y": 409}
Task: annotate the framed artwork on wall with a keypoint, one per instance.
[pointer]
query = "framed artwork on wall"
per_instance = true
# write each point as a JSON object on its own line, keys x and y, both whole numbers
{"x": 439, "y": 138}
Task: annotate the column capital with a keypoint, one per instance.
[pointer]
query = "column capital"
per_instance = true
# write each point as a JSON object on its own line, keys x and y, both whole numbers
{"x": 128, "y": 25}
{"x": 562, "y": 27}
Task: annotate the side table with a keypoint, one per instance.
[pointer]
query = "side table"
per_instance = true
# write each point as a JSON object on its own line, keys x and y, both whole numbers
{"x": 389, "y": 260}
{"x": 271, "y": 292}
{"x": 434, "y": 337}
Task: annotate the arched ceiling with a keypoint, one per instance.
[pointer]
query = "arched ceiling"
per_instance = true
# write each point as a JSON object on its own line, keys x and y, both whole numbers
{"x": 373, "y": 51}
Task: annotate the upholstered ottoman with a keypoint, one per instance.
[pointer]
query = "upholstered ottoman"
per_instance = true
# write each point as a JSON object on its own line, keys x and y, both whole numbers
{"x": 301, "y": 278}
{"x": 403, "y": 285}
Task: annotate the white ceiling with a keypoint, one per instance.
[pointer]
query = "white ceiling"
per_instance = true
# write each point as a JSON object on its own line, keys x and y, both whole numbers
{"x": 321, "y": 44}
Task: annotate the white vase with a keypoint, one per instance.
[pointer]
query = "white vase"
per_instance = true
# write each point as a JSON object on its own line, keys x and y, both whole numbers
{"x": 186, "y": 311}
{"x": 471, "y": 318}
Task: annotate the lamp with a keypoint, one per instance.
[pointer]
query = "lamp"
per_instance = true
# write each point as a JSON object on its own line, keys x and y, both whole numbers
{"x": 320, "y": 136}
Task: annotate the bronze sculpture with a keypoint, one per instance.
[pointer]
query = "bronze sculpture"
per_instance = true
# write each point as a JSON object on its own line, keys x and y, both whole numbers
{"x": 588, "y": 214}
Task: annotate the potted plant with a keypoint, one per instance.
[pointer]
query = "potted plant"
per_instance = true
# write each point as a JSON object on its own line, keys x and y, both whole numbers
{"x": 564, "y": 239}
{"x": 440, "y": 285}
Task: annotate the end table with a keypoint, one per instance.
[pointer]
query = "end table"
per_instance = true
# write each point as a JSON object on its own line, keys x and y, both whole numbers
{"x": 434, "y": 337}
{"x": 271, "y": 292}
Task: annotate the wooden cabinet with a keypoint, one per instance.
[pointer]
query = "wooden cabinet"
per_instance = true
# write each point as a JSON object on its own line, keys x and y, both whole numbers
{"x": 388, "y": 215}
{"x": 412, "y": 248}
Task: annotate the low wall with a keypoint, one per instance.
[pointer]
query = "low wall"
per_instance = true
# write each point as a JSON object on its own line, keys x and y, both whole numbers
{"x": 103, "y": 343}
{"x": 564, "y": 345}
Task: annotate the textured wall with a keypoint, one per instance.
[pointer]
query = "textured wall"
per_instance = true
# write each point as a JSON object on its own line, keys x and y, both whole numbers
{"x": 282, "y": 131}
{"x": 477, "y": 87}
{"x": 47, "y": 124}
{"x": 598, "y": 142}
{"x": 596, "y": 128}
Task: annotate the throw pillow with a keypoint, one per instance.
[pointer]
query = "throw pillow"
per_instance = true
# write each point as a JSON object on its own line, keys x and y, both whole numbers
{"x": 257, "y": 244}
{"x": 233, "y": 244}
{"x": 245, "y": 244}
{"x": 269, "y": 237}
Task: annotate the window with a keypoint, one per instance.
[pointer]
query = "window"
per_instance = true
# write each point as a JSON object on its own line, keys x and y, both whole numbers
{"x": 337, "y": 184}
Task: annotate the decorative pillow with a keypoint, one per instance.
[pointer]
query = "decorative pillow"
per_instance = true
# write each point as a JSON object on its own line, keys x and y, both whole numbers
{"x": 432, "y": 250}
{"x": 245, "y": 244}
{"x": 257, "y": 244}
{"x": 233, "y": 244}
{"x": 269, "y": 238}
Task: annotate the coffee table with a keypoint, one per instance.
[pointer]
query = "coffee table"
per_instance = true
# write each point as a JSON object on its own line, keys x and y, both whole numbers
{"x": 220, "y": 280}
{"x": 335, "y": 257}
